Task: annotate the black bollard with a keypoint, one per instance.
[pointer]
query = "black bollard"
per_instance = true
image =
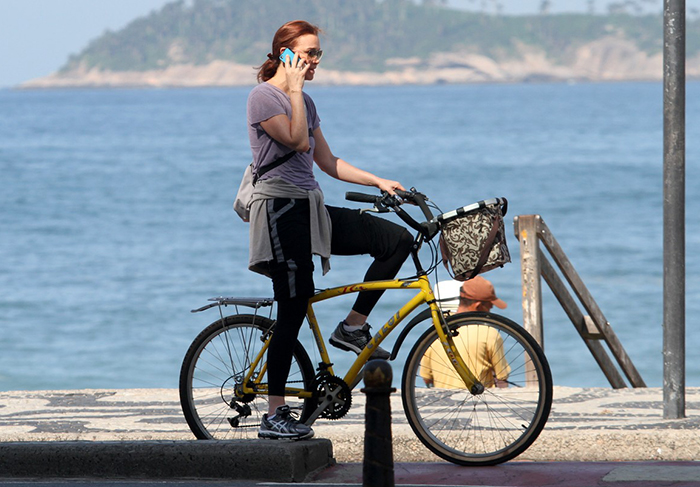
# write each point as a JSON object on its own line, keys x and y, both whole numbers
{"x": 378, "y": 464}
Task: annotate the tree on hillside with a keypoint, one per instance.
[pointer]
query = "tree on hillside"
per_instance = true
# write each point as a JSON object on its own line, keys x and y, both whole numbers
{"x": 635, "y": 7}
{"x": 545, "y": 5}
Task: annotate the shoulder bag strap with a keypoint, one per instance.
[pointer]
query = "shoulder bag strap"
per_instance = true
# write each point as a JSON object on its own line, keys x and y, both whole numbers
{"x": 276, "y": 162}
{"x": 272, "y": 165}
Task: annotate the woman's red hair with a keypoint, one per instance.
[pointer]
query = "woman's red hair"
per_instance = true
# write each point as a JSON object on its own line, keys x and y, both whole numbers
{"x": 285, "y": 36}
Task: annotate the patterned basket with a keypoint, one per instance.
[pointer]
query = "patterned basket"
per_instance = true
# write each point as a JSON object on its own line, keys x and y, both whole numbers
{"x": 473, "y": 238}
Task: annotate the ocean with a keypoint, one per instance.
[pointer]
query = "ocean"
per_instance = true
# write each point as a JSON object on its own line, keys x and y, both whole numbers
{"x": 116, "y": 217}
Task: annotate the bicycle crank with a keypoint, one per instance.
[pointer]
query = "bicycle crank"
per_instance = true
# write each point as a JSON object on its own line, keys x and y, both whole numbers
{"x": 334, "y": 397}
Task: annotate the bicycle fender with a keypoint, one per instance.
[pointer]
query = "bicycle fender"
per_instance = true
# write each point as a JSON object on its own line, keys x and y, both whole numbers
{"x": 419, "y": 318}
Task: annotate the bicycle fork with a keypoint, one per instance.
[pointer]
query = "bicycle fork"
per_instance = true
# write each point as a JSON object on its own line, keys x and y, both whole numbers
{"x": 472, "y": 383}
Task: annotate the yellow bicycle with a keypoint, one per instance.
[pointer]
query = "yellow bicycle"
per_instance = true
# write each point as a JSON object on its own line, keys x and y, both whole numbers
{"x": 486, "y": 420}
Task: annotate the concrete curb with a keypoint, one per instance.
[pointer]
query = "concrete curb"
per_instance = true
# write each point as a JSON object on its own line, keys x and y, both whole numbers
{"x": 263, "y": 460}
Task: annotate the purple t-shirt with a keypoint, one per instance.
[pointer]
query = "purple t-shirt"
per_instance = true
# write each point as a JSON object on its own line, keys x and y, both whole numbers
{"x": 264, "y": 102}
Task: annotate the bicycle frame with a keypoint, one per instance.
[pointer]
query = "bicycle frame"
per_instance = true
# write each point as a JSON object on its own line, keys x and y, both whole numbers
{"x": 251, "y": 382}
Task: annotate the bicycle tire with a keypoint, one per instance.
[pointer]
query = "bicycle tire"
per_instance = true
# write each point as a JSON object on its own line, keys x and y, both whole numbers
{"x": 488, "y": 428}
{"x": 217, "y": 359}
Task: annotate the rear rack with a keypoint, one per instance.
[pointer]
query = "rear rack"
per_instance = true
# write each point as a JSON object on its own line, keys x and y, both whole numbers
{"x": 226, "y": 301}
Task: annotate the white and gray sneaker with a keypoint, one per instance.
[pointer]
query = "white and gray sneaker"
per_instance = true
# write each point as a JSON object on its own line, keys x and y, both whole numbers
{"x": 283, "y": 425}
{"x": 355, "y": 341}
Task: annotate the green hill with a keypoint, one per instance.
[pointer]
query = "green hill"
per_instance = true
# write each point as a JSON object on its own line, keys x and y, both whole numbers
{"x": 358, "y": 34}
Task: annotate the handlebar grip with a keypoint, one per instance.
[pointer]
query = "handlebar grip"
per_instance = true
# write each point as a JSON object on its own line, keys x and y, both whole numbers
{"x": 361, "y": 197}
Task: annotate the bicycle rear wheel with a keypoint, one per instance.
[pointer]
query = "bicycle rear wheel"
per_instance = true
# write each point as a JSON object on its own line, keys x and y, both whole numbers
{"x": 479, "y": 429}
{"x": 212, "y": 372}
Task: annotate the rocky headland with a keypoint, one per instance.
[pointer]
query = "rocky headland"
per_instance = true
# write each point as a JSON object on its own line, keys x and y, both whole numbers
{"x": 606, "y": 59}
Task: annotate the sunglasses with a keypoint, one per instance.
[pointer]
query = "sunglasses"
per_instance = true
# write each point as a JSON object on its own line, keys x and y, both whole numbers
{"x": 316, "y": 54}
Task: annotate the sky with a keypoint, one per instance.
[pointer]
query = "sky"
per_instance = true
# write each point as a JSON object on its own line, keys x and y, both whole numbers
{"x": 37, "y": 36}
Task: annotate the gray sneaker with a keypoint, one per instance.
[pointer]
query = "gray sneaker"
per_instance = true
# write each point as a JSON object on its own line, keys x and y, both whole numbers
{"x": 283, "y": 425}
{"x": 355, "y": 341}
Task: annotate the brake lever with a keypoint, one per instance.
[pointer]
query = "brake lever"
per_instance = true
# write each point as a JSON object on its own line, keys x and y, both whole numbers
{"x": 393, "y": 200}
{"x": 378, "y": 208}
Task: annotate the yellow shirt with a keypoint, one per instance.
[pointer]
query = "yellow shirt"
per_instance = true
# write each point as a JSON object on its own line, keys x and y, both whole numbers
{"x": 481, "y": 348}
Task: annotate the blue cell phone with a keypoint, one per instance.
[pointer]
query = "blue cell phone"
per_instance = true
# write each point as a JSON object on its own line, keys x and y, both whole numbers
{"x": 287, "y": 52}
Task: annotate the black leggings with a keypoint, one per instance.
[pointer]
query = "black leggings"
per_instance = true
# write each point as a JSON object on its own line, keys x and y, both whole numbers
{"x": 357, "y": 233}
{"x": 354, "y": 233}
{"x": 290, "y": 316}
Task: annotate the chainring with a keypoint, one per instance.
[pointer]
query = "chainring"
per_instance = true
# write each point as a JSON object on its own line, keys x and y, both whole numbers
{"x": 335, "y": 393}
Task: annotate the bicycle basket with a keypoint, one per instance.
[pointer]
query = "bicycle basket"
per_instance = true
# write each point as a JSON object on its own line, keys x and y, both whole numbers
{"x": 473, "y": 238}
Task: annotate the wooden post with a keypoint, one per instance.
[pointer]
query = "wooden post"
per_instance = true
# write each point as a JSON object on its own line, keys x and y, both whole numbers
{"x": 526, "y": 229}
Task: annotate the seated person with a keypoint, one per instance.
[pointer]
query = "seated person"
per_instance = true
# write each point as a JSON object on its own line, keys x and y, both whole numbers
{"x": 480, "y": 346}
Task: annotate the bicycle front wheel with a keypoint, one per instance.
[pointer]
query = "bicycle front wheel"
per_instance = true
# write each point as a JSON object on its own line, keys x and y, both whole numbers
{"x": 478, "y": 429}
{"x": 213, "y": 371}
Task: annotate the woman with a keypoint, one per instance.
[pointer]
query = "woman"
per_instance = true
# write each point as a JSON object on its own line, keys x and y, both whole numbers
{"x": 290, "y": 222}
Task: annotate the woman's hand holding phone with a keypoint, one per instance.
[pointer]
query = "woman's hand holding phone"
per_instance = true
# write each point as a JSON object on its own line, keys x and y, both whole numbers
{"x": 295, "y": 69}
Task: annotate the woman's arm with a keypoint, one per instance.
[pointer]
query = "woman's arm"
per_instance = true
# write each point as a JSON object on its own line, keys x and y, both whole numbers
{"x": 340, "y": 169}
{"x": 293, "y": 133}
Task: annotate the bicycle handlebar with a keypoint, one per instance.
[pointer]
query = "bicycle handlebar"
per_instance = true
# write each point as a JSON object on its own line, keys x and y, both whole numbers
{"x": 419, "y": 199}
{"x": 387, "y": 202}
{"x": 361, "y": 197}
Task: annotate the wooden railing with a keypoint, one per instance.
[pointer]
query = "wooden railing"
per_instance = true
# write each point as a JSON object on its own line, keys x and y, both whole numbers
{"x": 592, "y": 326}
